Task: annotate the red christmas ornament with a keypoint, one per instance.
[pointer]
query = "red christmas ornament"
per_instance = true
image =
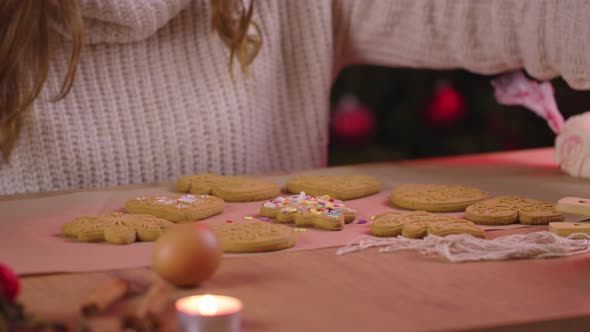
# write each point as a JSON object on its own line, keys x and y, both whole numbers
{"x": 446, "y": 108}
{"x": 352, "y": 121}
{"x": 9, "y": 284}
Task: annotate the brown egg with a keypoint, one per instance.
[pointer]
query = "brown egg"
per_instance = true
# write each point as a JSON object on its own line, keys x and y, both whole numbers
{"x": 187, "y": 254}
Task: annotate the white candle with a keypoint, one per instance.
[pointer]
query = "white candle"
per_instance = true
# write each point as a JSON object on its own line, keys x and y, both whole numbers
{"x": 209, "y": 313}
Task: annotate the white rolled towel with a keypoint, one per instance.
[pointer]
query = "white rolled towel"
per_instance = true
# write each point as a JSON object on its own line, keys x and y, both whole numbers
{"x": 572, "y": 143}
{"x": 572, "y": 146}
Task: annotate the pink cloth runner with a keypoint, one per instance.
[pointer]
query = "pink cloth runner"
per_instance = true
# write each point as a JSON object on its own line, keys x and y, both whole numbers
{"x": 30, "y": 241}
{"x": 29, "y": 229}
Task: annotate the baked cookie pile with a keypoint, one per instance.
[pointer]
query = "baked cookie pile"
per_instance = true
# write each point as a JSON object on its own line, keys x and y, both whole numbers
{"x": 317, "y": 203}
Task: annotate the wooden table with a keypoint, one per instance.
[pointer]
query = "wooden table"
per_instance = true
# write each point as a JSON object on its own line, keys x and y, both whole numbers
{"x": 367, "y": 291}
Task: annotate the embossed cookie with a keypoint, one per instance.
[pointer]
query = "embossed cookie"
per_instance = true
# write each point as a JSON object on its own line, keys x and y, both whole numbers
{"x": 504, "y": 210}
{"x": 418, "y": 224}
{"x": 229, "y": 188}
{"x": 116, "y": 228}
{"x": 309, "y": 211}
{"x": 254, "y": 236}
{"x": 435, "y": 198}
{"x": 176, "y": 208}
{"x": 343, "y": 187}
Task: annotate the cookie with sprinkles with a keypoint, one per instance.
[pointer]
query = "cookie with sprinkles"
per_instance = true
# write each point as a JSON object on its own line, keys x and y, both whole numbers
{"x": 229, "y": 188}
{"x": 343, "y": 187}
{"x": 504, "y": 210}
{"x": 309, "y": 211}
{"x": 176, "y": 208}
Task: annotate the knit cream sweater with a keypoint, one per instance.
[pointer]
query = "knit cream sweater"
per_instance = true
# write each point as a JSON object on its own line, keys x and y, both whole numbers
{"x": 153, "y": 98}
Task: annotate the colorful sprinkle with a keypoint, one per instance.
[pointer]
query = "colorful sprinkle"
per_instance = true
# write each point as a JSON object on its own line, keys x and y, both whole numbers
{"x": 363, "y": 221}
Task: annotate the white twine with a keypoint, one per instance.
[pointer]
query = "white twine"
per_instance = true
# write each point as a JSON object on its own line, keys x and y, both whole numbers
{"x": 458, "y": 248}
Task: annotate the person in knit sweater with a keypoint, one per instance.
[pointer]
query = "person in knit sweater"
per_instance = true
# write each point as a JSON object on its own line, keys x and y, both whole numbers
{"x": 149, "y": 92}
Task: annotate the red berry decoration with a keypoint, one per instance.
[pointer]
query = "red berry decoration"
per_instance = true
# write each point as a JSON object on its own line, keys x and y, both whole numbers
{"x": 9, "y": 284}
{"x": 353, "y": 122}
{"x": 446, "y": 108}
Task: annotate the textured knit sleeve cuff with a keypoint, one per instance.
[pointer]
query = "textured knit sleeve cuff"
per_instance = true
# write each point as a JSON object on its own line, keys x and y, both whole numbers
{"x": 122, "y": 21}
{"x": 546, "y": 38}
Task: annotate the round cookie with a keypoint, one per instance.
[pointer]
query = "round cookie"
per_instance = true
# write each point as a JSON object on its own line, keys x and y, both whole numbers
{"x": 436, "y": 198}
{"x": 229, "y": 188}
{"x": 309, "y": 211}
{"x": 342, "y": 187}
{"x": 418, "y": 224}
{"x": 176, "y": 208}
{"x": 116, "y": 228}
{"x": 254, "y": 236}
{"x": 504, "y": 210}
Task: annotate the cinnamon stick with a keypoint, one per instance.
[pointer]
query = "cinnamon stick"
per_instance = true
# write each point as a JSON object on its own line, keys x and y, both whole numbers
{"x": 104, "y": 296}
{"x": 153, "y": 305}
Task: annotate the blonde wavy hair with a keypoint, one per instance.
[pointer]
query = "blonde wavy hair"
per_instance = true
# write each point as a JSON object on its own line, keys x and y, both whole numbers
{"x": 25, "y": 50}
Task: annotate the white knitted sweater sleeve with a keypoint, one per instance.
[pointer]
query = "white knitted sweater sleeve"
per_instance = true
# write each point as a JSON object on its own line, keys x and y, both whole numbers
{"x": 548, "y": 38}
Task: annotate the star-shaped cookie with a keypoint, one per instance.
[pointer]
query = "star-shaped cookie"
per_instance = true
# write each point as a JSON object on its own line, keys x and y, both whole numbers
{"x": 309, "y": 211}
{"x": 418, "y": 224}
{"x": 116, "y": 228}
{"x": 504, "y": 210}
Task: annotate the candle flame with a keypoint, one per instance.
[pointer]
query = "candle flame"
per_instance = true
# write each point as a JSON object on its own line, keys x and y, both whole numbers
{"x": 207, "y": 305}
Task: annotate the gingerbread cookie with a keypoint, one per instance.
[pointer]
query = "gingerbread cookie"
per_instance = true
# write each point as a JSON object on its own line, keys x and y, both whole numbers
{"x": 116, "y": 228}
{"x": 418, "y": 224}
{"x": 504, "y": 210}
{"x": 254, "y": 236}
{"x": 435, "y": 198}
{"x": 229, "y": 188}
{"x": 309, "y": 211}
{"x": 177, "y": 208}
{"x": 343, "y": 187}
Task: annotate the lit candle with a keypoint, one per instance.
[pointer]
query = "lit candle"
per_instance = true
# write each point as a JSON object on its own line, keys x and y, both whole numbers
{"x": 209, "y": 313}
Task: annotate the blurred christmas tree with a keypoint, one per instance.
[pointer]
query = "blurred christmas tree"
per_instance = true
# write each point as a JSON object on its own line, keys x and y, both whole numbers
{"x": 390, "y": 114}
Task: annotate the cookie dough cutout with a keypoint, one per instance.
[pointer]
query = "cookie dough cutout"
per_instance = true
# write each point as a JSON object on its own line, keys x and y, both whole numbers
{"x": 418, "y": 224}
{"x": 342, "y": 187}
{"x": 436, "y": 198}
{"x": 505, "y": 210}
{"x": 116, "y": 228}
{"x": 305, "y": 210}
{"x": 176, "y": 208}
{"x": 229, "y": 188}
{"x": 255, "y": 236}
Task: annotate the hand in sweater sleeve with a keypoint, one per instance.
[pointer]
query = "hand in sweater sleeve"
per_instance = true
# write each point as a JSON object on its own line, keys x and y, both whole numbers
{"x": 548, "y": 38}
